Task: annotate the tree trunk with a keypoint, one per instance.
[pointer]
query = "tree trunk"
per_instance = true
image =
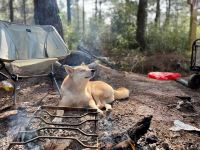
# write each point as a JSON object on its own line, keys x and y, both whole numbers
{"x": 100, "y": 15}
{"x": 193, "y": 26}
{"x": 69, "y": 11}
{"x": 96, "y": 9}
{"x": 141, "y": 24}
{"x": 78, "y": 15}
{"x": 168, "y": 12}
{"x": 157, "y": 18}
{"x": 83, "y": 17}
{"x": 46, "y": 13}
{"x": 24, "y": 10}
{"x": 11, "y": 10}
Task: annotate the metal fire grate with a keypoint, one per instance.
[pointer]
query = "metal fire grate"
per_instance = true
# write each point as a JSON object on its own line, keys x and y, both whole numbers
{"x": 79, "y": 127}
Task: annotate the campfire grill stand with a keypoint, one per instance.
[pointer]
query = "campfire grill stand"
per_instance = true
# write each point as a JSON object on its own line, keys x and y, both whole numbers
{"x": 59, "y": 126}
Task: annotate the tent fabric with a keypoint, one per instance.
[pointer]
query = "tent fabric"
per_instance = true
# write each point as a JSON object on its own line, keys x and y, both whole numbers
{"x": 21, "y": 42}
{"x": 164, "y": 75}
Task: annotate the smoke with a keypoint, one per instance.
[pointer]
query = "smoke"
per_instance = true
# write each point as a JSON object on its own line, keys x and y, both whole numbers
{"x": 18, "y": 123}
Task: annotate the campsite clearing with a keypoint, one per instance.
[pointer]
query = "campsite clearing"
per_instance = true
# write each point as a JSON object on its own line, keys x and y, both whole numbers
{"x": 147, "y": 97}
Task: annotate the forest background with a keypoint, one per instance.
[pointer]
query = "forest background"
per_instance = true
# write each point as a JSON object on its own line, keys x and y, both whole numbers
{"x": 137, "y": 35}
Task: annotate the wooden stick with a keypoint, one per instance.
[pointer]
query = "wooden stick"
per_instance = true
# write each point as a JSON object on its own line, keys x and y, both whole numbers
{"x": 7, "y": 114}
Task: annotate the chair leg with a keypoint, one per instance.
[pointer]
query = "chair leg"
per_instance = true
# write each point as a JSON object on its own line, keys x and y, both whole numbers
{"x": 56, "y": 83}
{"x": 53, "y": 78}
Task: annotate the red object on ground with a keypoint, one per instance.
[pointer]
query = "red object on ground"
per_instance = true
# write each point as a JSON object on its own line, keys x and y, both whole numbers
{"x": 164, "y": 75}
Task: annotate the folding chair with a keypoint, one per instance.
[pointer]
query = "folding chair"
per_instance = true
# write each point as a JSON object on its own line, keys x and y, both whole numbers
{"x": 194, "y": 80}
{"x": 27, "y": 51}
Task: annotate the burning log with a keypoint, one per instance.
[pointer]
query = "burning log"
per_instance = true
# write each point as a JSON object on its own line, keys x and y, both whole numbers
{"x": 7, "y": 114}
{"x": 134, "y": 133}
{"x": 139, "y": 129}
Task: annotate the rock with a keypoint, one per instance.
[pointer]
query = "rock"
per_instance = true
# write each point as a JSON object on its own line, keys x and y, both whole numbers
{"x": 75, "y": 58}
{"x": 185, "y": 106}
{"x": 191, "y": 146}
{"x": 103, "y": 72}
{"x": 152, "y": 147}
{"x": 62, "y": 144}
{"x": 165, "y": 146}
{"x": 174, "y": 135}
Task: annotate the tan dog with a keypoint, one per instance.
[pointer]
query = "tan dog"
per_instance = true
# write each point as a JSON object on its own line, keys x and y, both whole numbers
{"x": 78, "y": 91}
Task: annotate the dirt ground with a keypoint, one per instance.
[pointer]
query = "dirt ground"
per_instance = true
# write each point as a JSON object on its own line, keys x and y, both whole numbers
{"x": 147, "y": 97}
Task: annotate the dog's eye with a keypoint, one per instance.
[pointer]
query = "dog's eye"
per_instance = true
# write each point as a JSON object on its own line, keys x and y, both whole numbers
{"x": 82, "y": 70}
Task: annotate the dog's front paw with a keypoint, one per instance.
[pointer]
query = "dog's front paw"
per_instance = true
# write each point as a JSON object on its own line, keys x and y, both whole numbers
{"x": 100, "y": 111}
{"x": 108, "y": 109}
{"x": 57, "y": 120}
{"x": 101, "y": 114}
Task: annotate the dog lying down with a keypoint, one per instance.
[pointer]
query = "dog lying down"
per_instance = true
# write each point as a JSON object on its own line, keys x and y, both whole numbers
{"x": 78, "y": 91}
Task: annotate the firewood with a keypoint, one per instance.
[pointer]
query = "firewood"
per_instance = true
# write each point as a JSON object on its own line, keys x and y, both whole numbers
{"x": 7, "y": 114}
{"x": 124, "y": 145}
{"x": 139, "y": 129}
{"x": 134, "y": 133}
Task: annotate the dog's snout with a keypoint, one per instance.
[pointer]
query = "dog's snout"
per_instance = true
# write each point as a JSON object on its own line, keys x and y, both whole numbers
{"x": 93, "y": 70}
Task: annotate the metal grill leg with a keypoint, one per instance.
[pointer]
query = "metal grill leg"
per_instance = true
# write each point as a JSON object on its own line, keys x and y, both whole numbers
{"x": 15, "y": 94}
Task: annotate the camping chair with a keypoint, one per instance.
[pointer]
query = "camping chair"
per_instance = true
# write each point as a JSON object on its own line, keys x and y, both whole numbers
{"x": 194, "y": 80}
{"x": 27, "y": 51}
{"x": 195, "y": 57}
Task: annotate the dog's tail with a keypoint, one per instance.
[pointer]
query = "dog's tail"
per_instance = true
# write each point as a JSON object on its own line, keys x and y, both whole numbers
{"x": 121, "y": 93}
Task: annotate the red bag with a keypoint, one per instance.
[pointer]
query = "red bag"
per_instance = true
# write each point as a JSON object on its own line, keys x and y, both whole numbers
{"x": 164, "y": 75}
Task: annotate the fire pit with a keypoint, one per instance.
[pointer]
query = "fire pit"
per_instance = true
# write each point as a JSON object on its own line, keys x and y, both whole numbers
{"x": 78, "y": 130}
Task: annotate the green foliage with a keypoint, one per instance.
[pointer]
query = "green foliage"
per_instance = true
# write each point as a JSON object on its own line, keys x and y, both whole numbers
{"x": 117, "y": 38}
{"x": 71, "y": 35}
{"x": 198, "y": 31}
{"x": 172, "y": 35}
{"x": 119, "y": 42}
{"x": 167, "y": 38}
{"x": 123, "y": 25}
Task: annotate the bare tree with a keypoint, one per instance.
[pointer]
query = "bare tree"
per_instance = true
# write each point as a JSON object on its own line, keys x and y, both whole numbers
{"x": 46, "y": 13}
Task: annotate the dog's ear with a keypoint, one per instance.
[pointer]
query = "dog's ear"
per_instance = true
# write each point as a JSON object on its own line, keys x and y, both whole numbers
{"x": 68, "y": 69}
{"x": 82, "y": 64}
